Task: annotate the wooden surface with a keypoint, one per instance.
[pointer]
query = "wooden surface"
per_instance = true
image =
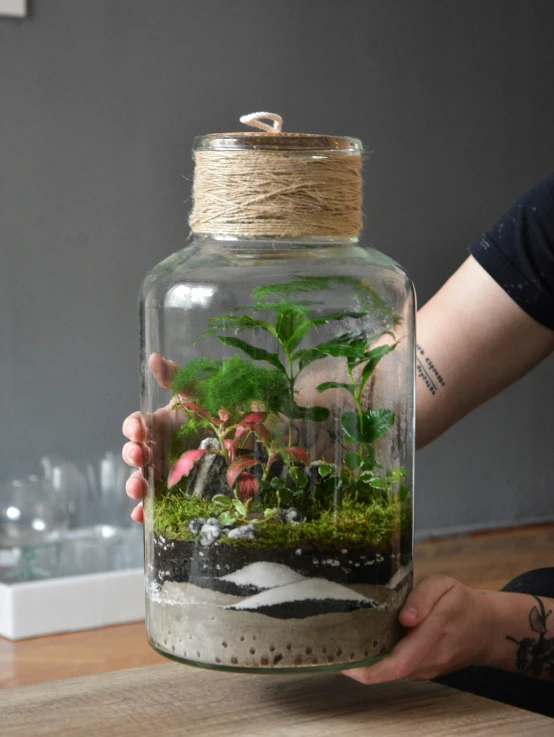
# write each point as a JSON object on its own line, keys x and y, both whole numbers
{"x": 487, "y": 560}
{"x": 170, "y": 700}
{"x": 74, "y": 654}
{"x": 484, "y": 560}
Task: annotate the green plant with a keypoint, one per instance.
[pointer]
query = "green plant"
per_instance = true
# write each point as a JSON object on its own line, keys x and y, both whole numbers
{"x": 361, "y": 427}
{"x": 217, "y": 395}
{"x": 233, "y": 385}
{"x": 291, "y": 323}
{"x": 231, "y": 510}
{"x": 238, "y": 401}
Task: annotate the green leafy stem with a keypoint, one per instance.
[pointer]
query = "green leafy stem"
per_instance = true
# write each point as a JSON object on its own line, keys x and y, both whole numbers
{"x": 224, "y": 395}
{"x": 291, "y": 324}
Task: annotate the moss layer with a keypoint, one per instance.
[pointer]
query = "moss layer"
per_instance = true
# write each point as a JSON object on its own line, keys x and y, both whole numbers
{"x": 372, "y": 523}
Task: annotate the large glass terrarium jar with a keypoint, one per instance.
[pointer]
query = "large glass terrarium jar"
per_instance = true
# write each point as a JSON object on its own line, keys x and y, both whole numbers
{"x": 278, "y": 391}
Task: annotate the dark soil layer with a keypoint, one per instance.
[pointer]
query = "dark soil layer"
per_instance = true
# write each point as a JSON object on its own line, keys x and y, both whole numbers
{"x": 188, "y": 561}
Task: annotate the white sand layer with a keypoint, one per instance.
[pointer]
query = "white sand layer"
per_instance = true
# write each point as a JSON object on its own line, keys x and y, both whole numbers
{"x": 263, "y": 575}
{"x": 315, "y": 589}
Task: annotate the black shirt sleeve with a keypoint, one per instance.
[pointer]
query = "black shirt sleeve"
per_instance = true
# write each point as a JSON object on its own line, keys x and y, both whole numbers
{"x": 518, "y": 252}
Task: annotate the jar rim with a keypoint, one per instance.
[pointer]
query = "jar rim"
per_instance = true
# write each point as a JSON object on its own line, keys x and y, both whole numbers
{"x": 295, "y": 142}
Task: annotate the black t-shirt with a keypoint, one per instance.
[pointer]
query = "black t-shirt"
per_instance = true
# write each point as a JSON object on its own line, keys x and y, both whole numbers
{"x": 518, "y": 252}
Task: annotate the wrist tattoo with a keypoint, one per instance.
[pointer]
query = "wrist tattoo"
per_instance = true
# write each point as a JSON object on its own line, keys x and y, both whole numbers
{"x": 536, "y": 654}
{"x": 427, "y": 371}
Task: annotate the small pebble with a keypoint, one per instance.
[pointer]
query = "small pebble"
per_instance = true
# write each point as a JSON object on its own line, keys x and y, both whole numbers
{"x": 209, "y": 534}
{"x": 195, "y": 525}
{"x": 293, "y": 516}
{"x": 244, "y": 532}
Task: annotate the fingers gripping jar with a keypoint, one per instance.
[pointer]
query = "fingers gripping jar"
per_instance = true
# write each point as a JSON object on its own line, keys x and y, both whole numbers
{"x": 278, "y": 393}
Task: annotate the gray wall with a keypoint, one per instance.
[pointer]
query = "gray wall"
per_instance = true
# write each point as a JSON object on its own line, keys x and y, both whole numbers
{"x": 99, "y": 103}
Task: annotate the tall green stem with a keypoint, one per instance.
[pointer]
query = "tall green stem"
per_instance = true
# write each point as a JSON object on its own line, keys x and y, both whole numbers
{"x": 357, "y": 398}
{"x": 291, "y": 378}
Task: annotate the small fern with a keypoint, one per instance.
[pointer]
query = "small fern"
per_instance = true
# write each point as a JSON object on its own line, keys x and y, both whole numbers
{"x": 367, "y": 298}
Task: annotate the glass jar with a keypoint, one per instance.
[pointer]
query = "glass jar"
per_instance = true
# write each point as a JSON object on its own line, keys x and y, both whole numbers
{"x": 278, "y": 518}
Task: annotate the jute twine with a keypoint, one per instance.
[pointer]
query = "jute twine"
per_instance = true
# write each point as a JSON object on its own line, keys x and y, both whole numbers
{"x": 288, "y": 193}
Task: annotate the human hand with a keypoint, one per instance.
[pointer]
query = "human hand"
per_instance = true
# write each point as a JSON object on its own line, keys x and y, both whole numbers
{"x": 141, "y": 450}
{"x": 450, "y": 626}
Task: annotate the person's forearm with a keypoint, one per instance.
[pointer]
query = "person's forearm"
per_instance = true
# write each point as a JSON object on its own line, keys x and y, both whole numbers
{"x": 521, "y": 634}
{"x": 473, "y": 341}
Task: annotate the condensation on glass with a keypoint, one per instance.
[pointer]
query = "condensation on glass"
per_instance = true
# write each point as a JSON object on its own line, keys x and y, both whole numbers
{"x": 278, "y": 519}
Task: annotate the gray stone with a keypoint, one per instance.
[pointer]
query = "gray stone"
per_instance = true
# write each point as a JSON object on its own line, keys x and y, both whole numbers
{"x": 213, "y": 521}
{"x": 195, "y": 525}
{"x": 280, "y": 514}
{"x": 293, "y": 516}
{"x": 209, "y": 534}
{"x": 210, "y": 444}
{"x": 208, "y": 475}
{"x": 244, "y": 532}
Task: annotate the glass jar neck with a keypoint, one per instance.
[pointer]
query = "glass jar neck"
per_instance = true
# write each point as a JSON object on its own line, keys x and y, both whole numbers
{"x": 314, "y": 241}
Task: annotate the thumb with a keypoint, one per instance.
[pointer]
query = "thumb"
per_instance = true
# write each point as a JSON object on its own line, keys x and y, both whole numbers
{"x": 423, "y": 598}
{"x": 162, "y": 370}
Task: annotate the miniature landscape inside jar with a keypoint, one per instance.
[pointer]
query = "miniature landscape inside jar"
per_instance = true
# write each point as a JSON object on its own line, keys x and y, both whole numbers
{"x": 281, "y": 514}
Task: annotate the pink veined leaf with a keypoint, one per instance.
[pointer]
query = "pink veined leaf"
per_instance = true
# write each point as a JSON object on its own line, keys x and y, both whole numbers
{"x": 223, "y": 414}
{"x": 231, "y": 447}
{"x": 253, "y": 417}
{"x": 300, "y": 454}
{"x": 183, "y": 466}
{"x": 247, "y": 486}
{"x": 239, "y": 465}
{"x": 258, "y": 429}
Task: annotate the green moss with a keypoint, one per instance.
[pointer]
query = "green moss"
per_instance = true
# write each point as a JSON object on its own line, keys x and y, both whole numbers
{"x": 357, "y": 524}
{"x": 172, "y": 513}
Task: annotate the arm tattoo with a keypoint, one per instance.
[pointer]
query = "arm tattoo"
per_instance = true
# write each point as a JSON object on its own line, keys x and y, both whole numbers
{"x": 427, "y": 371}
{"x": 536, "y": 653}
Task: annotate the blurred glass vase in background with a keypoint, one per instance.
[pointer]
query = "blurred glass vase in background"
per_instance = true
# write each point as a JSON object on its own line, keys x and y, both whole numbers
{"x": 72, "y": 521}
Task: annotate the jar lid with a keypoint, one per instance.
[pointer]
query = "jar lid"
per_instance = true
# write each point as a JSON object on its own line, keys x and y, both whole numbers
{"x": 277, "y": 141}
{"x": 318, "y": 190}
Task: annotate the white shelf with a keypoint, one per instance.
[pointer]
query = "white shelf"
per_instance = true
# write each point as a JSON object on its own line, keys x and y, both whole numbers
{"x": 35, "y": 608}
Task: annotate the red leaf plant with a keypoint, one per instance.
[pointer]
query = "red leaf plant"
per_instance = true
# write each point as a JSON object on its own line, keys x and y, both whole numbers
{"x": 239, "y": 465}
{"x": 247, "y": 486}
{"x": 183, "y": 466}
{"x": 300, "y": 454}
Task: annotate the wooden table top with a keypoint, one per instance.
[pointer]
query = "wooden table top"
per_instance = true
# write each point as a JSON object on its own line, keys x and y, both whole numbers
{"x": 171, "y": 700}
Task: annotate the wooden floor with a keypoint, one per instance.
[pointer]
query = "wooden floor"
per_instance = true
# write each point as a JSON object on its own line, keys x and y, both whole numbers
{"x": 484, "y": 560}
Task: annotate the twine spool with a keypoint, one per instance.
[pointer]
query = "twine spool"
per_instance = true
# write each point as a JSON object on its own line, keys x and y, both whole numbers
{"x": 274, "y": 184}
